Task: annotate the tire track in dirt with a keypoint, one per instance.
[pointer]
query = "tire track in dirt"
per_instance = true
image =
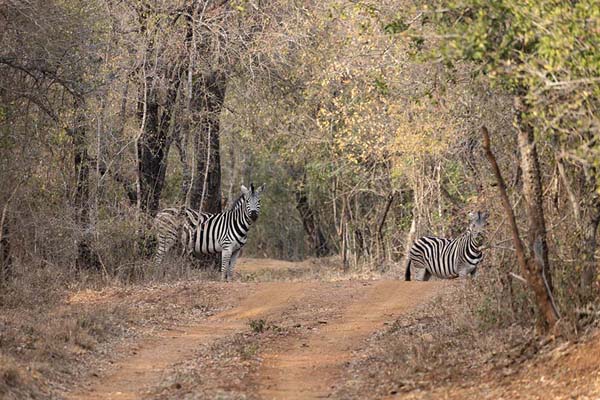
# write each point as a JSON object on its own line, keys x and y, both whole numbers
{"x": 310, "y": 368}
{"x": 133, "y": 376}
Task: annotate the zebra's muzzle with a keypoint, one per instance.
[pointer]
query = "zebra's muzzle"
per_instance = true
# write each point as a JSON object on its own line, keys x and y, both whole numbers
{"x": 253, "y": 215}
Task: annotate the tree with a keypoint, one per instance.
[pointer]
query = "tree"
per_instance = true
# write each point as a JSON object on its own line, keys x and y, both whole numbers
{"x": 537, "y": 51}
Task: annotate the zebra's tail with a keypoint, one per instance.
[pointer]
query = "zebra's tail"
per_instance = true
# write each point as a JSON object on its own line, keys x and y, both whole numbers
{"x": 407, "y": 273}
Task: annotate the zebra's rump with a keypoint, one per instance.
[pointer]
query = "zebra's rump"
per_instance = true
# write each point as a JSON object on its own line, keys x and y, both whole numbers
{"x": 167, "y": 221}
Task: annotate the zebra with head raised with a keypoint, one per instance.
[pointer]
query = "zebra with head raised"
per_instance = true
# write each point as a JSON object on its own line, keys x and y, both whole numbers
{"x": 204, "y": 233}
{"x": 448, "y": 258}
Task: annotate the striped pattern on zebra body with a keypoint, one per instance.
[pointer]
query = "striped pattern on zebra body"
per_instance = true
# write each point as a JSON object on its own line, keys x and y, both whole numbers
{"x": 204, "y": 233}
{"x": 448, "y": 258}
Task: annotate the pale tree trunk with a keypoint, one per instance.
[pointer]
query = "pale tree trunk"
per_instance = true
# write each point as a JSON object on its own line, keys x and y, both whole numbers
{"x": 412, "y": 232}
{"x": 590, "y": 230}
{"x": 532, "y": 189}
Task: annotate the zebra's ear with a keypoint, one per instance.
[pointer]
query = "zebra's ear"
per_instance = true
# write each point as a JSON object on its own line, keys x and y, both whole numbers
{"x": 244, "y": 190}
{"x": 260, "y": 189}
{"x": 472, "y": 216}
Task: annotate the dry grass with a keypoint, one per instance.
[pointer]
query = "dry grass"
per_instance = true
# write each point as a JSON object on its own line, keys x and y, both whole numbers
{"x": 53, "y": 323}
{"x": 449, "y": 340}
{"x": 322, "y": 269}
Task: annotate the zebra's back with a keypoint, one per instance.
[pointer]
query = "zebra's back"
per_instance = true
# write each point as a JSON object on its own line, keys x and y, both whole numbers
{"x": 436, "y": 255}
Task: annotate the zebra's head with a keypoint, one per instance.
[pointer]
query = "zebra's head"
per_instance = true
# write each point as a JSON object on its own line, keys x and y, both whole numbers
{"x": 252, "y": 198}
{"x": 478, "y": 224}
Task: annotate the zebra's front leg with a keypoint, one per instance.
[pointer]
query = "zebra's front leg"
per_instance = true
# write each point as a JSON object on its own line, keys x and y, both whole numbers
{"x": 466, "y": 271}
{"x": 232, "y": 262}
{"x": 225, "y": 260}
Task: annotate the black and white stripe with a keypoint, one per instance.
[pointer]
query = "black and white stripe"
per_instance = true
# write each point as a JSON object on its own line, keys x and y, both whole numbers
{"x": 448, "y": 258}
{"x": 203, "y": 233}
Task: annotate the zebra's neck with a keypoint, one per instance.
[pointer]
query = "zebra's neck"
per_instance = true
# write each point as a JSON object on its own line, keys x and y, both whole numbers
{"x": 473, "y": 242}
{"x": 240, "y": 214}
{"x": 477, "y": 240}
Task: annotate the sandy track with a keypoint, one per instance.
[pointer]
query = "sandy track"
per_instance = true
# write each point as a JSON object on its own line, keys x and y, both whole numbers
{"x": 318, "y": 357}
{"x": 311, "y": 368}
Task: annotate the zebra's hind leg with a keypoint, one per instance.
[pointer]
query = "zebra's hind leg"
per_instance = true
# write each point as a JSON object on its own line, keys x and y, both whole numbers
{"x": 419, "y": 272}
{"x": 166, "y": 240}
{"x": 167, "y": 225}
{"x": 426, "y": 275}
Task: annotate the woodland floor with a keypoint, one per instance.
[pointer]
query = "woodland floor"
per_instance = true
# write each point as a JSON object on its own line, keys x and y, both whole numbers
{"x": 306, "y": 338}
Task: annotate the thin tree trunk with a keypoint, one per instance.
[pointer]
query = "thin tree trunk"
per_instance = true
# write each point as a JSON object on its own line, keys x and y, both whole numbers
{"x": 570, "y": 193}
{"x": 411, "y": 236}
{"x": 5, "y": 256}
{"x": 380, "y": 237}
{"x": 588, "y": 276}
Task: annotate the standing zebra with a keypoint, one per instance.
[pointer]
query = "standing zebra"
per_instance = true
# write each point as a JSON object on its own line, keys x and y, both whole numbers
{"x": 448, "y": 258}
{"x": 203, "y": 233}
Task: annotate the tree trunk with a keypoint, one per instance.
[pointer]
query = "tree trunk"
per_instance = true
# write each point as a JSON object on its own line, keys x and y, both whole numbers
{"x": 151, "y": 155}
{"x": 205, "y": 189}
{"x": 86, "y": 256}
{"x": 411, "y": 236}
{"x": 5, "y": 256}
{"x": 380, "y": 236}
{"x": 154, "y": 143}
{"x": 588, "y": 276}
{"x": 532, "y": 189}
{"x": 317, "y": 239}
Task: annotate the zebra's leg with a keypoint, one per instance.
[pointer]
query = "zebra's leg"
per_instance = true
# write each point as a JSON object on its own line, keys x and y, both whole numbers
{"x": 166, "y": 240}
{"x": 466, "y": 271}
{"x": 419, "y": 272}
{"x": 225, "y": 259}
{"x": 426, "y": 275}
{"x": 232, "y": 262}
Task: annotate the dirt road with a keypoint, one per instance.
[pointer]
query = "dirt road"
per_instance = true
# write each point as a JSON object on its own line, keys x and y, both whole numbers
{"x": 339, "y": 316}
{"x": 311, "y": 368}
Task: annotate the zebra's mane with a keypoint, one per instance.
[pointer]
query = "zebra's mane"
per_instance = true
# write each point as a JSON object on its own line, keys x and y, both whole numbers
{"x": 236, "y": 203}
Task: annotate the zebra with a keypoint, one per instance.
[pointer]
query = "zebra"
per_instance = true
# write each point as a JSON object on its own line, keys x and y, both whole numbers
{"x": 204, "y": 233}
{"x": 448, "y": 258}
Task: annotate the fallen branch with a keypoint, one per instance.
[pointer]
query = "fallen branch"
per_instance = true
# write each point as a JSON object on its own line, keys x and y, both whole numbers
{"x": 519, "y": 277}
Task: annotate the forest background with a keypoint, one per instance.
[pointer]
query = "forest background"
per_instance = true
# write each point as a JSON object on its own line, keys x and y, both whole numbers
{"x": 363, "y": 118}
